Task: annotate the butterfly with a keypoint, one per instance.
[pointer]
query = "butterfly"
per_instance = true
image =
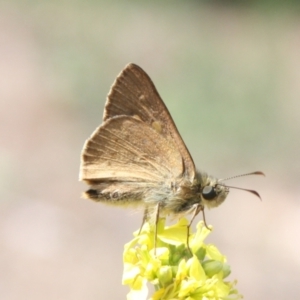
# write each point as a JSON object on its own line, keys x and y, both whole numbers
{"x": 138, "y": 158}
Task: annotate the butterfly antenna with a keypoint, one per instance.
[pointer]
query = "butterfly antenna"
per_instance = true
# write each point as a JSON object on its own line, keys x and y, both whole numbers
{"x": 247, "y": 174}
{"x": 250, "y": 191}
{"x": 247, "y": 190}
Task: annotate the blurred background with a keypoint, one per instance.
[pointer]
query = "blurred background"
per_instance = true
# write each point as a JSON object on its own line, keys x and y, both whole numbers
{"x": 229, "y": 74}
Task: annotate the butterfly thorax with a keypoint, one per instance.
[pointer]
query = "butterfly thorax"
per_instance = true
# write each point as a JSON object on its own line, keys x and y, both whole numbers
{"x": 182, "y": 196}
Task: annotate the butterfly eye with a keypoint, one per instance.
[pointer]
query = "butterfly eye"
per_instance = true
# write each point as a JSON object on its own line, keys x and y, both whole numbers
{"x": 209, "y": 193}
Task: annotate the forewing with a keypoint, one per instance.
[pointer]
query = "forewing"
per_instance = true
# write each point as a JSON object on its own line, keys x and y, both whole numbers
{"x": 134, "y": 94}
{"x": 125, "y": 149}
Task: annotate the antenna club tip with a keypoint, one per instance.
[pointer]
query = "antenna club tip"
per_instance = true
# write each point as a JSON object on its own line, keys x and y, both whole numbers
{"x": 259, "y": 173}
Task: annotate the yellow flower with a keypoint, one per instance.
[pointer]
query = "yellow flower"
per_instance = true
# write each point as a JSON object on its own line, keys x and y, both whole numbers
{"x": 172, "y": 269}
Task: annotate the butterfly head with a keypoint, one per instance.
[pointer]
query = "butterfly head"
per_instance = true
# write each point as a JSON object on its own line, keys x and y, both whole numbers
{"x": 213, "y": 193}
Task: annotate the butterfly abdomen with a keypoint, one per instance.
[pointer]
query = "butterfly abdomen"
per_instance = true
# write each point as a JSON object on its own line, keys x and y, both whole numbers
{"x": 97, "y": 195}
{"x": 110, "y": 193}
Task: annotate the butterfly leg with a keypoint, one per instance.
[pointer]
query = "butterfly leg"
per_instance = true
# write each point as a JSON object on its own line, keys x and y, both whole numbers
{"x": 204, "y": 221}
{"x": 198, "y": 208}
{"x": 145, "y": 217}
{"x": 156, "y": 221}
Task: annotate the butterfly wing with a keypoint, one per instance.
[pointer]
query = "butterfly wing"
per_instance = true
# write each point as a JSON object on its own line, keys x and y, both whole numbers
{"x": 134, "y": 94}
{"x": 126, "y": 149}
{"x": 137, "y": 152}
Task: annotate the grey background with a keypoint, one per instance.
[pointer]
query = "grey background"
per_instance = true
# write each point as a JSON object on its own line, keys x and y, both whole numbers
{"x": 230, "y": 78}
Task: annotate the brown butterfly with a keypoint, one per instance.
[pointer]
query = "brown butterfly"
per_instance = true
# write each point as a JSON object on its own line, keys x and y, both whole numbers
{"x": 138, "y": 158}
